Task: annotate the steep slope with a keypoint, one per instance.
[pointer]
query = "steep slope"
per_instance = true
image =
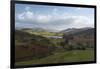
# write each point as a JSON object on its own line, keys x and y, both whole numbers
{"x": 80, "y": 39}
{"x": 87, "y": 32}
{"x": 30, "y": 46}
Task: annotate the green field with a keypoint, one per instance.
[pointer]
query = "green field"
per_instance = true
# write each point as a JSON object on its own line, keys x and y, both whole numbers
{"x": 62, "y": 57}
{"x": 43, "y": 32}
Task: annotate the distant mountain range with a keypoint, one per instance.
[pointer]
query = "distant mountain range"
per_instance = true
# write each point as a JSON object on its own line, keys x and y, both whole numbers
{"x": 37, "y": 30}
{"x": 34, "y": 30}
{"x": 83, "y": 32}
{"x": 75, "y": 29}
{"x": 69, "y": 30}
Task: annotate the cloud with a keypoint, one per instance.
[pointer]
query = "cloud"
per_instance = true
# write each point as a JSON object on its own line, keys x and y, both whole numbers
{"x": 55, "y": 11}
{"x": 27, "y": 8}
{"x": 27, "y": 16}
{"x": 54, "y": 20}
{"x": 43, "y": 18}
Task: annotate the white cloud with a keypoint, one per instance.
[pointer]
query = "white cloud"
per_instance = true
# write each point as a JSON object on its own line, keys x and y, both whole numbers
{"x": 63, "y": 20}
{"x": 43, "y": 18}
{"x": 81, "y": 21}
{"x": 20, "y": 16}
{"x": 27, "y": 15}
{"x": 55, "y": 11}
{"x": 27, "y": 8}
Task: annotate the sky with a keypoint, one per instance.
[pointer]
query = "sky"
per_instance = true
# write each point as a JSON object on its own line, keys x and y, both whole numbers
{"x": 53, "y": 17}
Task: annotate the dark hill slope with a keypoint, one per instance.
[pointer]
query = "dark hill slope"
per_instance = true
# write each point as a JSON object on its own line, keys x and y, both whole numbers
{"x": 29, "y": 46}
{"x": 84, "y": 38}
{"x": 83, "y": 33}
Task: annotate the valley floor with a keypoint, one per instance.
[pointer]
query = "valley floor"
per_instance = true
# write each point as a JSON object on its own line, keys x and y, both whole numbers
{"x": 62, "y": 57}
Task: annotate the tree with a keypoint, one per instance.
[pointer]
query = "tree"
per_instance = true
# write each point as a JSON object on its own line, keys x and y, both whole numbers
{"x": 67, "y": 38}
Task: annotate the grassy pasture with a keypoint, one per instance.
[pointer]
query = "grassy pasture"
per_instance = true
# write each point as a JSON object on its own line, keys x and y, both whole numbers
{"x": 62, "y": 57}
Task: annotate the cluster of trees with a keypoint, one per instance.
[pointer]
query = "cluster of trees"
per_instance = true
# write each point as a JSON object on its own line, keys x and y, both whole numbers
{"x": 68, "y": 45}
{"x": 77, "y": 46}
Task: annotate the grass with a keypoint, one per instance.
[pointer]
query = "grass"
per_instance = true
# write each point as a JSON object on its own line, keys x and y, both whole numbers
{"x": 44, "y": 33}
{"x": 62, "y": 57}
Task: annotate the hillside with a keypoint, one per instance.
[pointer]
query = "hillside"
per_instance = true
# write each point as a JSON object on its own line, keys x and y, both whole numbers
{"x": 87, "y": 32}
{"x": 41, "y": 32}
{"x": 80, "y": 40}
{"x": 34, "y": 48}
{"x": 29, "y": 45}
